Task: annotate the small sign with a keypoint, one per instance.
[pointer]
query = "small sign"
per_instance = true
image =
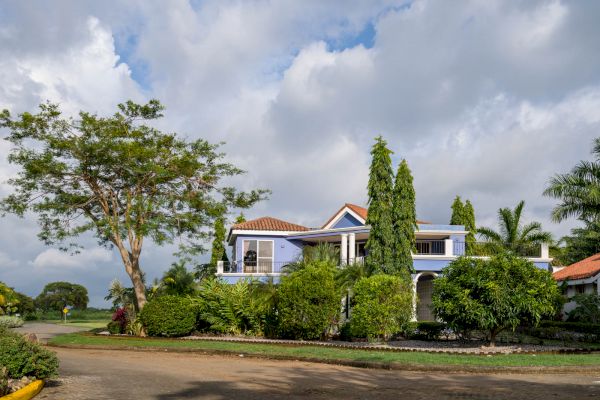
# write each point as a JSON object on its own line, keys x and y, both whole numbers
{"x": 66, "y": 310}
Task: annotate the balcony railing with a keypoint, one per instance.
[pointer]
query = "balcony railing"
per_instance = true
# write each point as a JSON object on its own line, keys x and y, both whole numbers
{"x": 253, "y": 267}
{"x": 431, "y": 247}
{"x": 486, "y": 249}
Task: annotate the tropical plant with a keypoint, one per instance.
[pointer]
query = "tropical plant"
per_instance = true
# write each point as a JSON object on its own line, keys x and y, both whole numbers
{"x": 177, "y": 281}
{"x": 587, "y": 309}
{"x": 118, "y": 178}
{"x": 513, "y": 236}
{"x": 382, "y": 305}
{"x": 308, "y": 302}
{"x": 347, "y": 276}
{"x": 381, "y": 242}
{"x": 22, "y": 358}
{"x": 582, "y": 243}
{"x": 120, "y": 295}
{"x": 10, "y": 321}
{"x": 57, "y": 295}
{"x": 9, "y": 301}
{"x": 493, "y": 294}
{"x": 321, "y": 252}
{"x": 578, "y": 190}
{"x": 404, "y": 217}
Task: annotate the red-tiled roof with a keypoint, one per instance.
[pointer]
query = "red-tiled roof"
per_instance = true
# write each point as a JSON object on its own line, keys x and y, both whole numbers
{"x": 585, "y": 268}
{"x": 268, "y": 224}
{"x": 361, "y": 211}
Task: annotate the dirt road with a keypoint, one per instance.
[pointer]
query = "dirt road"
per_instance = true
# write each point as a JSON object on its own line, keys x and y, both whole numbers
{"x": 101, "y": 374}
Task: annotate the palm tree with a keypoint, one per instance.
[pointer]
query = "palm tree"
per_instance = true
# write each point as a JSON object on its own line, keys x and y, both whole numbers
{"x": 322, "y": 252}
{"x": 579, "y": 190}
{"x": 513, "y": 236}
{"x": 177, "y": 280}
{"x": 347, "y": 276}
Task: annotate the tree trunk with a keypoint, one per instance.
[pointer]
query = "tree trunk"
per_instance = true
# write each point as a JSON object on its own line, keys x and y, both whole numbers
{"x": 493, "y": 334}
{"x": 138, "y": 285}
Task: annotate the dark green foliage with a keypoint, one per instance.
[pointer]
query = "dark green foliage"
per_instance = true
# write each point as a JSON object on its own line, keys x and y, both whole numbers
{"x": 587, "y": 310}
{"x": 169, "y": 316}
{"x": 218, "y": 248}
{"x": 580, "y": 327}
{"x": 26, "y": 304}
{"x": 494, "y": 294}
{"x": 23, "y": 358}
{"x": 321, "y": 252}
{"x": 424, "y": 330}
{"x": 177, "y": 281}
{"x": 458, "y": 212}
{"x": 57, "y": 295}
{"x": 347, "y": 276}
{"x": 578, "y": 190}
{"x": 309, "y": 302}
{"x": 404, "y": 218}
{"x": 241, "y": 308}
{"x": 513, "y": 236}
{"x": 470, "y": 227}
{"x": 381, "y": 242}
{"x": 382, "y": 305}
{"x": 119, "y": 178}
{"x": 582, "y": 243}
{"x": 114, "y": 327}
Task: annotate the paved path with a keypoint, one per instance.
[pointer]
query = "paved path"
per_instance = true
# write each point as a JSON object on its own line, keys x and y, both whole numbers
{"x": 111, "y": 374}
{"x": 45, "y": 331}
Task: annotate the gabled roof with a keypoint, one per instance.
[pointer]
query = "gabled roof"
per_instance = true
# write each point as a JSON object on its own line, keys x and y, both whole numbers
{"x": 269, "y": 224}
{"x": 358, "y": 210}
{"x": 583, "y": 269}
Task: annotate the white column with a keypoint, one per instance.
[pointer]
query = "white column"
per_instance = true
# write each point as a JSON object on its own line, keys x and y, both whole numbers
{"x": 448, "y": 247}
{"x": 415, "y": 279}
{"x": 352, "y": 247}
{"x": 219, "y": 267}
{"x": 545, "y": 251}
{"x": 344, "y": 249}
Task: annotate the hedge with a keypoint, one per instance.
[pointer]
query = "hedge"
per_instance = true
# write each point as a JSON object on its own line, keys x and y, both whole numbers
{"x": 169, "y": 316}
{"x": 23, "y": 358}
{"x": 580, "y": 327}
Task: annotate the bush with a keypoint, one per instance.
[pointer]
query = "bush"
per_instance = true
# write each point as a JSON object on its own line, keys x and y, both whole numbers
{"x": 10, "y": 321}
{"x": 23, "y": 358}
{"x": 119, "y": 321}
{"x": 424, "y": 330}
{"x": 579, "y": 327}
{"x": 382, "y": 305}
{"x": 114, "y": 328}
{"x": 169, "y": 316}
{"x": 587, "y": 310}
{"x": 309, "y": 302}
{"x": 236, "y": 309}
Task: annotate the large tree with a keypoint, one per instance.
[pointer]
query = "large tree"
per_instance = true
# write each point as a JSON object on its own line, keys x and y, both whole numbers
{"x": 404, "y": 217}
{"x": 578, "y": 190}
{"x": 458, "y": 212}
{"x": 57, "y": 295}
{"x": 380, "y": 244}
{"x": 513, "y": 235}
{"x": 118, "y": 177}
{"x": 493, "y": 294}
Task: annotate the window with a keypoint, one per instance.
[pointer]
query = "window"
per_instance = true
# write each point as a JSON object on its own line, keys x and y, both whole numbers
{"x": 258, "y": 256}
{"x": 579, "y": 289}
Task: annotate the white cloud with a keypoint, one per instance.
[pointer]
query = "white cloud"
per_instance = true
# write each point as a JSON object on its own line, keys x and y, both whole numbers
{"x": 87, "y": 258}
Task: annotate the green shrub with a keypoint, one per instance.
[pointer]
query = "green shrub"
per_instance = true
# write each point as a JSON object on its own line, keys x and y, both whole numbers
{"x": 169, "y": 316}
{"x": 579, "y": 327}
{"x": 587, "y": 310}
{"x": 10, "y": 321}
{"x": 308, "y": 302}
{"x": 114, "y": 327}
{"x": 424, "y": 330}
{"x": 240, "y": 308}
{"x": 23, "y": 358}
{"x": 382, "y": 305}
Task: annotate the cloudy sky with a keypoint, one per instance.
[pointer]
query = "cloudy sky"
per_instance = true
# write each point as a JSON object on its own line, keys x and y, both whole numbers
{"x": 485, "y": 99}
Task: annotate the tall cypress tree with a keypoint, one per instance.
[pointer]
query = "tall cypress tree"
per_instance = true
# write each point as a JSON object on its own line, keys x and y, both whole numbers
{"x": 380, "y": 245}
{"x": 405, "y": 220}
{"x": 218, "y": 248}
{"x": 458, "y": 212}
{"x": 469, "y": 223}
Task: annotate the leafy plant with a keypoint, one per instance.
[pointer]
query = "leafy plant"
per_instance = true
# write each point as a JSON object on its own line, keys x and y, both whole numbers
{"x": 23, "y": 358}
{"x": 308, "y": 302}
{"x": 169, "y": 316}
{"x": 404, "y": 217}
{"x": 382, "y": 305}
{"x": 57, "y": 295}
{"x": 9, "y": 301}
{"x": 587, "y": 310}
{"x": 493, "y": 294}
{"x": 10, "y": 321}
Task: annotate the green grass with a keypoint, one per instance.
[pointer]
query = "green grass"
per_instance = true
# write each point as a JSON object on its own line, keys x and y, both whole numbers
{"x": 332, "y": 354}
{"x": 89, "y": 314}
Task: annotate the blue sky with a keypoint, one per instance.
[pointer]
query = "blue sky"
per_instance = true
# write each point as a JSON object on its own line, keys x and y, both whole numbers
{"x": 485, "y": 100}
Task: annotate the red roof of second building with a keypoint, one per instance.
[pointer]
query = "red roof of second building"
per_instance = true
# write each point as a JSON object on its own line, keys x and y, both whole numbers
{"x": 585, "y": 268}
{"x": 269, "y": 224}
{"x": 360, "y": 211}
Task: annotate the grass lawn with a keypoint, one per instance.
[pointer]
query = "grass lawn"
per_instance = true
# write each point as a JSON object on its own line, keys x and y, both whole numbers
{"x": 82, "y": 323}
{"x": 332, "y": 354}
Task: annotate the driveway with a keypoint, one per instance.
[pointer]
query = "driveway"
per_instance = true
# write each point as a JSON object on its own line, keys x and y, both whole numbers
{"x": 45, "y": 331}
{"x": 110, "y": 374}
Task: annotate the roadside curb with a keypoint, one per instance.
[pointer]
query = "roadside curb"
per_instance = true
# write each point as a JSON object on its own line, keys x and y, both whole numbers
{"x": 26, "y": 393}
{"x": 395, "y": 366}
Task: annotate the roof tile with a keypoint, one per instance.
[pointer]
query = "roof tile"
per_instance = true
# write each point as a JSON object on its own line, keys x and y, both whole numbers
{"x": 585, "y": 268}
{"x": 269, "y": 224}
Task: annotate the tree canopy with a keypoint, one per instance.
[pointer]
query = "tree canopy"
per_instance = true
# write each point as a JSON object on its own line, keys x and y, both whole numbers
{"x": 381, "y": 242}
{"x": 57, "y": 295}
{"x": 119, "y": 178}
{"x": 493, "y": 294}
{"x": 458, "y": 212}
{"x": 404, "y": 216}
